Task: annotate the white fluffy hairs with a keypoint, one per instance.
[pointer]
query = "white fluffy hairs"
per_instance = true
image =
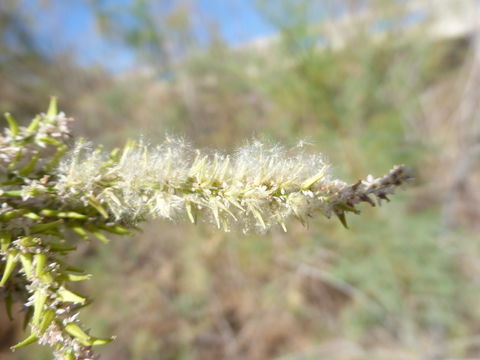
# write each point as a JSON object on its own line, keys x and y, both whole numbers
{"x": 256, "y": 187}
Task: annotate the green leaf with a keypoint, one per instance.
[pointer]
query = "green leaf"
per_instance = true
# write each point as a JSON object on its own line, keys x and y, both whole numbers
{"x": 30, "y": 166}
{"x": 26, "y": 260}
{"x": 12, "y": 214}
{"x": 312, "y": 180}
{"x": 79, "y": 230}
{"x": 101, "y": 237}
{"x": 40, "y": 297}
{"x": 57, "y": 247}
{"x": 96, "y": 204}
{"x": 12, "y": 123}
{"x": 76, "y": 331}
{"x": 52, "y": 107}
{"x": 13, "y": 193}
{"x": 32, "y": 216}
{"x": 341, "y": 217}
{"x": 48, "y": 317}
{"x": 34, "y": 125}
{"x": 50, "y": 141}
{"x": 74, "y": 277}
{"x": 72, "y": 215}
{"x": 5, "y": 240}
{"x": 29, "y": 340}
{"x": 41, "y": 228}
{"x": 10, "y": 263}
{"x": 100, "y": 341}
{"x": 115, "y": 229}
{"x": 69, "y": 296}
{"x": 62, "y": 149}
{"x": 115, "y": 155}
{"x": 63, "y": 214}
{"x": 40, "y": 262}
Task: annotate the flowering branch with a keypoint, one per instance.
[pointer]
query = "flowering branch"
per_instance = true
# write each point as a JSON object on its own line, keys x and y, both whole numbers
{"x": 48, "y": 197}
{"x": 256, "y": 187}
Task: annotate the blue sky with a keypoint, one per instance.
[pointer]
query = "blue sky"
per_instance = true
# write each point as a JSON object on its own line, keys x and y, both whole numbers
{"x": 238, "y": 20}
{"x": 70, "y": 26}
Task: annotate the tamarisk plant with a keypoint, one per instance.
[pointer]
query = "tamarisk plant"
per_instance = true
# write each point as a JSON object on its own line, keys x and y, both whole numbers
{"x": 54, "y": 190}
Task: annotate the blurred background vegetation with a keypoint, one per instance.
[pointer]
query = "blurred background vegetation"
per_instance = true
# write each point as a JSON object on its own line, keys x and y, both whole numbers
{"x": 368, "y": 83}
